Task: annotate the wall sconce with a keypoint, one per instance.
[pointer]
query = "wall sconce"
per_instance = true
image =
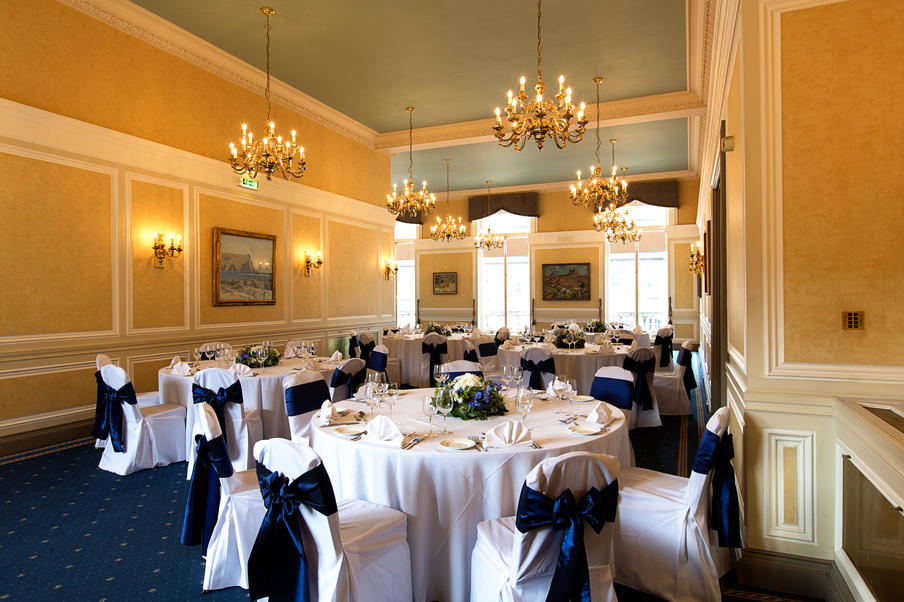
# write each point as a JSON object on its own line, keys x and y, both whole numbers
{"x": 310, "y": 264}
{"x": 162, "y": 250}
{"x": 697, "y": 259}
{"x": 389, "y": 269}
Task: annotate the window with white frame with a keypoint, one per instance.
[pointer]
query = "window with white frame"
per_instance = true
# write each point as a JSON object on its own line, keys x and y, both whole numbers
{"x": 406, "y": 292}
{"x": 504, "y": 285}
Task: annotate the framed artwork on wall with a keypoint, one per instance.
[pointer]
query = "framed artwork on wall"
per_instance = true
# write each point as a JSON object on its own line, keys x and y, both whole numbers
{"x": 566, "y": 281}
{"x": 445, "y": 283}
{"x": 243, "y": 267}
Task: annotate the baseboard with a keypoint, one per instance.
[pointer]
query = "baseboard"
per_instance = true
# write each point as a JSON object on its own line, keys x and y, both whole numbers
{"x": 798, "y": 575}
{"x": 34, "y": 439}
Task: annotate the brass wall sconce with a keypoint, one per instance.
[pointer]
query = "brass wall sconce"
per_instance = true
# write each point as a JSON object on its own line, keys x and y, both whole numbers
{"x": 162, "y": 250}
{"x": 312, "y": 264}
{"x": 697, "y": 259}
{"x": 389, "y": 269}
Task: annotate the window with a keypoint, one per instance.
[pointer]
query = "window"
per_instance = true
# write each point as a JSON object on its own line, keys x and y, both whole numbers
{"x": 504, "y": 285}
{"x": 406, "y": 231}
{"x": 405, "y": 286}
{"x": 503, "y": 222}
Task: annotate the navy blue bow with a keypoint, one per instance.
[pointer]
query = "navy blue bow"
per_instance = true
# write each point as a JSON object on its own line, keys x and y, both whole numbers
{"x": 203, "y": 503}
{"x": 436, "y": 352}
{"x": 642, "y": 395}
{"x": 488, "y": 349}
{"x": 218, "y": 401}
{"x": 352, "y": 344}
{"x": 366, "y": 348}
{"x": 725, "y": 516}
{"x": 571, "y": 581}
{"x": 277, "y": 566}
{"x": 108, "y": 413}
{"x": 352, "y": 380}
{"x": 666, "y": 343}
{"x": 389, "y": 330}
{"x": 471, "y": 355}
{"x": 684, "y": 359}
{"x": 377, "y": 361}
{"x": 536, "y": 368}
{"x": 453, "y": 375}
{"x": 616, "y": 391}
{"x": 306, "y": 397}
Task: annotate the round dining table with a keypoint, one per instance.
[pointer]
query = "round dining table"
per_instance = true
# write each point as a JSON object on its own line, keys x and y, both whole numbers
{"x": 262, "y": 390}
{"x": 413, "y": 362}
{"x": 446, "y": 492}
{"x": 579, "y": 364}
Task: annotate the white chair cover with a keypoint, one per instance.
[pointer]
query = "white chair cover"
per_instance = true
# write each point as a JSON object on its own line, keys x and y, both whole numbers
{"x": 641, "y": 418}
{"x": 490, "y": 363}
{"x": 350, "y": 366}
{"x": 152, "y": 436}
{"x": 671, "y": 395}
{"x": 513, "y": 566}
{"x": 238, "y": 520}
{"x": 642, "y": 339}
{"x": 102, "y": 360}
{"x": 358, "y": 553}
{"x": 665, "y": 546}
{"x": 435, "y": 339}
{"x": 536, "y": 355}
{"x": 313, "y": 397}
{"x": 612, "y": 374}
{"x": 662, "y": 333}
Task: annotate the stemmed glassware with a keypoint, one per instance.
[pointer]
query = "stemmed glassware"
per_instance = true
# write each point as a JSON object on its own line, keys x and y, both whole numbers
{"x": 429, "y": 409}
{"x": 444, "y": 406}
{"x": 313, "y": 348}
{"x": 440, "y": 375}
{"x": 507, "y": 377}
{"x": 517, "y": 374}
{"x": 261, "y": 354}
{"x": 197, "y": 355}
{"x": 524, "y": 402}
{"x": 392, "y": 397}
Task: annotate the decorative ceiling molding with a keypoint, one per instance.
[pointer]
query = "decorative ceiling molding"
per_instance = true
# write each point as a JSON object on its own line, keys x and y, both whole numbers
{"x": 160, "y": 33}
{"x": 643, "y": 109}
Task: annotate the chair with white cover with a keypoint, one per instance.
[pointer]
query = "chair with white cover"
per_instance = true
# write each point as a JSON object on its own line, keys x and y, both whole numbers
{"x": 350, "y": 550}
{"x": 666, "y": 544}
{"x": 305, "y": 393}
{"x": 390, "y": 330}
{"x": 379, "y": 361}
{"x": 644, "y": 408}
{"x": 616, "y": 386}
{"x": 470, "y": 351}
{"x": 539, "y": 367}
{"x": 436, "y": 349}
{"x": 673, "y": 388}
{"x": 641, "y": 339}
{"x": 662, "y": 345}
{"x": 623, "y": 336}
{"x": 502, "y": 335}
{"x": 136, "y": 438}
{"x": 224, "y": 509}
{"x": 208, "y": 350}
{"x": 456, "y": 368}
{"x": 546, "y": 552}
{"x": 221, "y": 389}
{"x": 347, "y": 377}
{"x": 366, "y": 345}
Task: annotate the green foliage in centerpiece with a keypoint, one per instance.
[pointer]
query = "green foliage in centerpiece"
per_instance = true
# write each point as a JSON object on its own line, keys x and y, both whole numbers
{"x": 473, "y": 397}
{"x": 248, "y": 355}
{"x": 437, "y": 328}
{"x": 595, "y": 326}
{"x": 571, "y": 334}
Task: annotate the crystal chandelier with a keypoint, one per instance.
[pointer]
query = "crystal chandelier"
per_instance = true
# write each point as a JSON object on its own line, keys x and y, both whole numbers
{"x": 449, "y": 229}
{"x": 597, "y": 191}
{"x": 410, "y": 203}
{"x": 540, "y": 118}
{"x": 616, "y": 225}
{"x": 270, "y": 154}
{"x": 489, "y": 240}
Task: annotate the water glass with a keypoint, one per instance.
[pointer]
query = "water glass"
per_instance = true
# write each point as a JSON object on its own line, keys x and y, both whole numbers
{"x": 440, "y": 375}
{"x": 444, "y": 406}
{"x": 393, "y": 396}
{"x": 517, "y": 373}
{"x": 429, "y": 409}
{"x": 524, "y": 402}
{"x": 197, "y": 355}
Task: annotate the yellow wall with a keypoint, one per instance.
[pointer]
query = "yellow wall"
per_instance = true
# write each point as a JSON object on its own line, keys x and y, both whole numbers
{"x": 735, "y": 238}
{"x": 564, "y": 254}
{"x": 460, "y": 262}
{"x": 687, "y": 201}
{"x": 61, "y": 60}
{"x": 685, "y": 281}
{"x": 353, "y": 252}
{"x": 306, "y": 237}
{"x": 842, "y": 188}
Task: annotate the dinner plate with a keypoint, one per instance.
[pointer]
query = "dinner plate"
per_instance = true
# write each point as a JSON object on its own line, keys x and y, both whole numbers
{"x": 352, "y": 430}
{"x": 583, "y": 398}
{"x": 585, "y": 429}
{"x": 457, "y": 443}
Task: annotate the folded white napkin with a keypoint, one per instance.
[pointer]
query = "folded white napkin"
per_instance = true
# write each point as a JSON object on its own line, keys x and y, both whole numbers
{"x": 507, "y": 434}
{"x": 182, "y": 369}
{"x": 176, "y": 359}
{"x": 600, "y": 414}
{"x": 337, "y": 356}
{"x": 309, "y": 364}
{"x": 328, "y": 413}
{"x": 241, "y": 370}
{"x": 289, "y": 353}
{"x": 384, "y": 431}
{"x": 591, "y": 348}
{"x": 556, "y": 387}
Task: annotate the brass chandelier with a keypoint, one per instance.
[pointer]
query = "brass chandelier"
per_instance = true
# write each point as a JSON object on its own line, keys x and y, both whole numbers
{"x": 489, "y": 240}
{"x": 449, "y": 229}
{"x": 616, "y": 225}
{"x": 697, "y": 260}
{"x": 540, "y": 118}
{"x": 270, "y": 154}
{"x": 597, "y": 191}
{"x": 409, "y": 202}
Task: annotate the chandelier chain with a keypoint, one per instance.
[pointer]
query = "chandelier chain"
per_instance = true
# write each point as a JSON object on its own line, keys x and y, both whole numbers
{"x": 267, "y": 89}
{"x": 409, "y": 202}
{"x": 410, "y": 142}
{"x": 597, "y": 80}
{"x": 539, "y": 42}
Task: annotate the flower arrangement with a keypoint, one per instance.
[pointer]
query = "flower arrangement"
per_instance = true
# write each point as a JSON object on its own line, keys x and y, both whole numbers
{"x": 572, "y": 336}
{"x": 473, "y": 397}
{"x": 248, "y": 355}
{"x": 437, "y": 328}
{"x": 595, "y": 326}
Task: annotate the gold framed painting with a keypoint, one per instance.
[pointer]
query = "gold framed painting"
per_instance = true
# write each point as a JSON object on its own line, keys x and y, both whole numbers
{"x": 445, "y": 283}
{"x": 243, "y": 267}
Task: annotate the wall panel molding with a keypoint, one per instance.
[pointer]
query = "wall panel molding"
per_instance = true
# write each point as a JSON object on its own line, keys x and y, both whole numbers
{"x": 791, "y": 507}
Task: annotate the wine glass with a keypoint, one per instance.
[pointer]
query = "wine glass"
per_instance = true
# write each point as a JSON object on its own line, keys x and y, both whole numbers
{"x": 444, "y": 406}
{"x": 506, "y": 377}
{"x": 393, "y": 396}
{"x": 429, "y": 409}
{"x": 313, "y": 348}
{"x": 440, "y": 375}
{"x": 517, "y": 374}
{"x": 524, "y": 402}
{"x": 261, "y": 353}
{"x": 571, "y": 389}
{"x": 197, "y": 355}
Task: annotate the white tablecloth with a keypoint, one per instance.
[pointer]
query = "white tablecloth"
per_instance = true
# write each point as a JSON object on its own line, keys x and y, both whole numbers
{"x": 446, "y": 493}
{"x": 576, "y": 364}
{"x": 263, "y": 392}
{"x": 412, "y": 359}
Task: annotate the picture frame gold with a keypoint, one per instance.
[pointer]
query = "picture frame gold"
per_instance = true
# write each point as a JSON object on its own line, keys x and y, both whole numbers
{"x": 445, "y": 283}
{"x": 244, "y": 267}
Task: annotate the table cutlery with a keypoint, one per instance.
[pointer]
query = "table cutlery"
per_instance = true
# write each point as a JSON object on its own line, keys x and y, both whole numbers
{"x": 535, "y": 445}
{"x": 356, "y": 437}
{"x": 478, "y": 440}
{"x": 413, "y": 442}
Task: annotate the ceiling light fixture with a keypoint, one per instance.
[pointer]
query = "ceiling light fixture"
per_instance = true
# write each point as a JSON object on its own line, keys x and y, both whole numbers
{"x": 449, "y": 229}
{"x": 540, "y": 118}
{"x": 614, "y": 222}
{"x": 410, "y": 203}
{"x": 269, "y": 154}
{"x": 489, "y": 240}
{"x": 597, "y": 191}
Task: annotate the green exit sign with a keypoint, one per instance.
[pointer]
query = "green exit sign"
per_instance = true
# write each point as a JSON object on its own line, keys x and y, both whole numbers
{"x": 248, "y": 183}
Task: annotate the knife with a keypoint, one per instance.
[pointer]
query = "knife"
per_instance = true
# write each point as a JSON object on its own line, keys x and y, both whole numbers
{"x": 414, "y": 442}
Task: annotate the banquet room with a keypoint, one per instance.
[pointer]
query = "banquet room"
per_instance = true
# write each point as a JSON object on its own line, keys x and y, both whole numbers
{"x": 452, "y": 301}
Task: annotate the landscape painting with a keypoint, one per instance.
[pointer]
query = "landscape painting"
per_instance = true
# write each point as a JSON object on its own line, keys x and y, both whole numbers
{"x": 566, "y": 281}
{"x": 445, "y": 283}
{"x": 243, "y": 266}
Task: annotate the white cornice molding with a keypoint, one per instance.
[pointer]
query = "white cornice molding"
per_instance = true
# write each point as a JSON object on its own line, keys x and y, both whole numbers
{"x": 160, "y": 33}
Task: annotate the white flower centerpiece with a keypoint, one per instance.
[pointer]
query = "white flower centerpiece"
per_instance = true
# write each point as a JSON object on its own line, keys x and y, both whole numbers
{"x": 473, "y": 397}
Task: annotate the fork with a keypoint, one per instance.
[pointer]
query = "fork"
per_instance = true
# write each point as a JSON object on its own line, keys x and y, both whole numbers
{"x": 477, "y": 439}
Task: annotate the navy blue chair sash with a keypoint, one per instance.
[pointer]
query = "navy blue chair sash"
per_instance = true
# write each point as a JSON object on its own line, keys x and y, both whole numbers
{"x": 306, "y": 397}
{"x": 642, "y": 394}
{"x": 208, "y": 355}
{"x": 377, "y": 361}
{"x": 471, "y": 355}
{"x": 389, "y": 330}
{"x": 366, "y": 348}
{"x": 454, "y": 375}
{"x": 488, "y": 349}
{"x": 277, "y": 566}
{"x": 684, "y": 359}
{"x": 666, "y": 343}
{"x": 571, "y": 580}
{"x": 352, "y": 380}
{"x": 616, "y": 391}
{"x": 717, "y": 454}
{"x": 203, "y": 503}
{"x": 218, "y": 400}
{"x": 537, "y": 368}
{"x": 108, "y": 415}
{"x": 352, "y": 346}
{"x": 436, "y": 352}
{"x": 624, "y": 341}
